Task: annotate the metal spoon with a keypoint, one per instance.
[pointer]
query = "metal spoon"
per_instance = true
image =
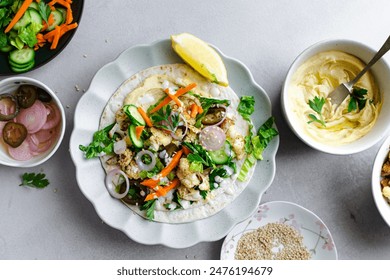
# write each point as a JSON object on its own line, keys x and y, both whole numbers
{"x": 344, "y": 89}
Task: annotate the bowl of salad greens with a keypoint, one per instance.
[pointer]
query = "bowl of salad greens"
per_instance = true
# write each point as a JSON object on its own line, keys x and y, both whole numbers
{"x": 33, "y": 32}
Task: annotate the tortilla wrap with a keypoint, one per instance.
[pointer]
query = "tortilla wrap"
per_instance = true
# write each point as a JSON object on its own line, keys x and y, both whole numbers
{"x": 132, "y": 91}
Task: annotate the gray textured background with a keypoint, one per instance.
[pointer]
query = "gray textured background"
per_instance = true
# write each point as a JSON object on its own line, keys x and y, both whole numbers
{"x": 60, "y": 223}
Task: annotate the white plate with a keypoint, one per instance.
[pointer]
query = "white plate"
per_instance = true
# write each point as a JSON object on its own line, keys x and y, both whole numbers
{"x": 316, "y": 236}
{"x": 90, "y": 174}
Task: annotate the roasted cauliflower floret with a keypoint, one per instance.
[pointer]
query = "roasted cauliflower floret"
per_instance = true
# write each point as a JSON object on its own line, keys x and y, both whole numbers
{"x": 122, "y": 119}
{"x": 189, "y": 194}
{"x": 188, "y": 178}
{"x": 132, "y": 170}
{"x": 238, "y": 145}
{"x": 125, "y": 158}
{"x": 159, "y": 138}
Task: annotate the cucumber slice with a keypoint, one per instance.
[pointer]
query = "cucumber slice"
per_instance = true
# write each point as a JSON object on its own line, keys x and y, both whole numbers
{"x": 24, "y": 21}
{"x": 58, "y": 19}
{"x": 135, "y": 117}
{"x": 22, "y": 57}
{"x": 35, "y": 16}
{"x": 139, "y": 143}
{"x": 222, "y": 155}
{"x": 22, "y": 69}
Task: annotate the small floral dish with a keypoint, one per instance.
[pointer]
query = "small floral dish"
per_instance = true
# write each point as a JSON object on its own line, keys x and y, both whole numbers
{"x": 316, "y": 236}
{"x": 32, "y": 122}
{"x": 381, "y": 202}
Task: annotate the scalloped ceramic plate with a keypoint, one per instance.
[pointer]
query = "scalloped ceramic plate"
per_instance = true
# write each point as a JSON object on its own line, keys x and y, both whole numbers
{"x": 316, "y": 236}
{"x": 45, "y": 54}
{"x": 116, "y": 214}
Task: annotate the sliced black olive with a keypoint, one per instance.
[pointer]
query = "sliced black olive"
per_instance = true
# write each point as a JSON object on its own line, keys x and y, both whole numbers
{"x": 214, "y": 115}
{"x": 9, "y": 116}
{"x": 136, "y": 194}
{"x": 26, "y": 95}
{"x": 14, "y": 134}
{"x": 43, "y": 95}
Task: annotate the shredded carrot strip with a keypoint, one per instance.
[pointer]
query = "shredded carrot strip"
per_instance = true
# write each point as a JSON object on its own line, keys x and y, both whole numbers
{"x": 18, "y": 15}
{"x": 168, "y": 99}
{"x": 138, "y": 131}
{"x": 145, "y": 116}
{"x": 56, "y": 38}
{"x": 50, "y": 20}
{"x": 186, "y": 150}
{"x": 163, "y": 191}
{"x": 194, "y": 110}
{"x": 173, "y": 97}
{"x": 200, "y": 109}
{"x": 151, "y": 183}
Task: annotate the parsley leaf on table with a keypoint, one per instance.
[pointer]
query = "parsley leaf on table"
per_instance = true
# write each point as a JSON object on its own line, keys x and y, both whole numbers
{"x": 34, "y": 180}
{"x": 316, "y": 104}
{"x": 358, "y": 99}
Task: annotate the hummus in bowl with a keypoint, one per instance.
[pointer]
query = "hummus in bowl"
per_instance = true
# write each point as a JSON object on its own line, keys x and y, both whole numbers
{"x": 358, "y": 123}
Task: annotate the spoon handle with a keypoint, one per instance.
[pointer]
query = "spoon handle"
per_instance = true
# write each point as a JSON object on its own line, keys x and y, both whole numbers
{"x": 384, "y": 49}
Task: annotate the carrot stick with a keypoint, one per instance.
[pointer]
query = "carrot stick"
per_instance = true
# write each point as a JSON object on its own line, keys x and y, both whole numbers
{"x": 194, "y": 110}
{"x": 151, "y": 183}
{"x": 145, "y": 116}
{"x": 163, "y": 191}
{"x": 200, "y": 109}
{"x": 50, "y": 20}
{"x": 56, "y": 38}
{"x": 18, "y": 15}
{"x": 168, "y": 99}
{"x": 138, "y": 131}
{"x": 173, "y": 97}
{"x": 66, "y": 28}
{"x": 186, "y": 150}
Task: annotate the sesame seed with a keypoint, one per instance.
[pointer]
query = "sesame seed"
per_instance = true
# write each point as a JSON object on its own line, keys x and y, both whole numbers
{"x": 274, "y": 241}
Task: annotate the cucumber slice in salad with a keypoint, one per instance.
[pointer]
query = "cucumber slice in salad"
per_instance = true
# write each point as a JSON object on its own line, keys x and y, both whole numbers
{"x": 135, "y": 117}
{"x": 22, "y": 60}
{"x": 58, "y": 19}
{"x": 24, "y": 21}
{"x": 35, "y": 16}
{"x": 222, "y": 155}
{"x": 139, "y": 143}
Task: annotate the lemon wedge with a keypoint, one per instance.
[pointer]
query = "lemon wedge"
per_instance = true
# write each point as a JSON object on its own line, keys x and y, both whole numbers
{"x": 200, "y": 56}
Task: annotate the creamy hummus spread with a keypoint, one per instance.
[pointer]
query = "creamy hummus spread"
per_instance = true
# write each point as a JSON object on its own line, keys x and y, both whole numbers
{"x": 318, "y": 77}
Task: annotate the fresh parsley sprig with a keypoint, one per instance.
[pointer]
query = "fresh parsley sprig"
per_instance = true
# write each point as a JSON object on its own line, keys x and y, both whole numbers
{"x": 44, "y": 11}
{"x": 358, "y": 99}
{"x": 316, "y": 104}
{"x": 34, "y": 180}
{"x": 164, "y": 118}
{"x": 149, "y": 206}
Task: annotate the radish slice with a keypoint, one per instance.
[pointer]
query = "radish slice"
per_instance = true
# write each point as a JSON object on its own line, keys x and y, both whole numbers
{"x": 21, "y": 153}
{"x": 53, "y": 116}
{"x": 34, "y": 117}
{"x": 212, "y": 138}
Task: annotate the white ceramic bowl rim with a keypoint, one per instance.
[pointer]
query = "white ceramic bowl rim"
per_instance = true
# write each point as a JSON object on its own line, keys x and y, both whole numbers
{"x": 9, "y": 84}
{"x": 381, "y": 72}
{"x": 380, "y": 201}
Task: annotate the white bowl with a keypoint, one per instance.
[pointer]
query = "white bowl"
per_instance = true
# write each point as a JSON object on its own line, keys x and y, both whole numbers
{"x": 9, "y": 85}
{"x": 381, "y": 72}
{"x": 380, "y": 201}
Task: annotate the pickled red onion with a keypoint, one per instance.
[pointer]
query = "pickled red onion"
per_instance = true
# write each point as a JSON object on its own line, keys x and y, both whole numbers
{"x": 53, "y": 116}
{"x": 21, "y": 153}
{"x": 33, "y": 118}
{"x": 113, "y": 179}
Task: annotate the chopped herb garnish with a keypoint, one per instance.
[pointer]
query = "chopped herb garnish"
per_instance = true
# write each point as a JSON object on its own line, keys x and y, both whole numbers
{"x": 357, "y": 99}
{"x": 316, "y": 104}
{"x": 34, "y": 180}
{"x": 101, "y": 144}
{"x": 44, "y": 11}
{"x": 149, "y": 207}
